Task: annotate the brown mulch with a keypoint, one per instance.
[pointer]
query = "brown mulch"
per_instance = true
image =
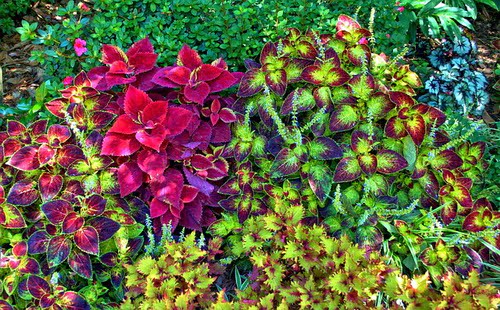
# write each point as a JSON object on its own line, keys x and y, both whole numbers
{"x": 21, "y": 76}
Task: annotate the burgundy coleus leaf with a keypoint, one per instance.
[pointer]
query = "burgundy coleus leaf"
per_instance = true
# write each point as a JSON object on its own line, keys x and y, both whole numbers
{"x": 221, "y": 133}
{"x": 117, "y": 144}
{"x": 430, "y": 184}
{"x": 190, "y": 216}
{"x": 249, "y": 205}
{"x": 87, "y": 240}
{"x": 168, "y": 187}
{"x": 5, "y": 305}
{"x": 346, "y": 23}
{"x": 57, "y": 106}
{"x": 29, "y": 265}
{"x": 72, "y": 222}
{"x": 200, "y": 162}
{"x": 158, "y": 208}
{"x": 402, "y": 100}
{"x": 177, "y": 120}
{"x": 326, "y": 74}
{"x": 327, "y": 147}
{"x": 11, "y": 217}
{"x": 416, "y": 127}
{"x": 347, "y": 170}
{"x": 68, "y": 154}
{"x": 130, "y": 178}
{"x": 153, "y": 163}
{"x": 446, "y": 159}
{"x": 94, "y": 205}
{"x": 23, "y": 193}
{"x": 15, "y": 128}
{"x": 58, "y": 134}
{"x": 277, "y": 81}
{"x": 56, "y": 210}
{"x": 38, "y": 242}
{"x": 38, "y": 287}
{"x": 300, "y": 100}
{"x": 109, "y": 259}
{"x": 20, "y": 249}
{"x": 45, "y": 154}
{"x": 231, "y": 187}
{"x": 72, "y": 301}
{"x": 343, "y": 118}
{"x": 58, "y": 250}
{"x": 252, "y": 82}
{"x": 189, "y": 193}
{"x": 361, "y": 142}
{"x": 101, "y": 119}
{"x": 106, "y": 228}
{"x": 390, "y": 162}
{"x": 49, "y": 185}
{"x": 25, "y": 158}
{"x": 46, "y": 301}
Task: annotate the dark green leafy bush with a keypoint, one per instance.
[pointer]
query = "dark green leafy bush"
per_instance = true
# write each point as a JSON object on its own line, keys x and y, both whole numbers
{"x": 233, "y": 30}
{"x": 10, "y": 10}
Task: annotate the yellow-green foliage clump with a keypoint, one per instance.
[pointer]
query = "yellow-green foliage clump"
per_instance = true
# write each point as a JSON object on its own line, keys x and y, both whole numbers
{"x": 299, "y": 266}
{"x": 180, "y": 278}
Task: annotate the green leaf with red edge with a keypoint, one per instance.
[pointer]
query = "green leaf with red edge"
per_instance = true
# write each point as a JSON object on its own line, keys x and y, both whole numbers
{"x": 449, "y": 211}
{"x": 361, "y": 142}
{"x": 446, "y": 159}
{"x": 72, "y": 222}
{"x": 479, "y": 220}
{"x": 49, "y": 185}
{"x": 320, "y": 180}
{"x": 23, "y": 193}
{"x": 390, "y": 162}
{"x": 277, "y": 81}
{"x": 38, "y": 287}
{"x": 11, "y": 217}
{"x": 25, "y": 159}
{"x": 252, "y": 82}
{"x": 379, "y": 104}
{"x": 322, "y": 97}
{"x": 87, "y": 240}
{"x": 72, "y": 301}
{"x": 56, "y": 210}
{"x": 231, "y": 187}
{"x": 285, "y": 163}
{"x": 58, "y": 250}
{"x": 344, "y": 118}
{"x": 105, "y": 227}
{"x": 435, "y": 116}
{"x": 461, "y": 195}
{"x": 38, "y": 241}
{"x": 358, "y": 54}
{"x": 300, "y": 99}
{"x": 324, "y": 148}
{"x": 416, "y": 127}
{"x": 368, "y": 163}
{"x": 347, "y": 170}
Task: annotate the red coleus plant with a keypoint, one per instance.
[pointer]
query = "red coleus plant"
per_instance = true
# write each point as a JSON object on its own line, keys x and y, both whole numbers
{"x": 195, "y": 79}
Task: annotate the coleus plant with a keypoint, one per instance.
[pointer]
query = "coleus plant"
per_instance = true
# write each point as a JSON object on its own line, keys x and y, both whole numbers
{"x": 329, "y": 124}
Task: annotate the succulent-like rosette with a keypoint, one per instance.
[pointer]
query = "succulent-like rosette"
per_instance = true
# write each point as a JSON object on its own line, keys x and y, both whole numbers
{"x": 195, "y": 79}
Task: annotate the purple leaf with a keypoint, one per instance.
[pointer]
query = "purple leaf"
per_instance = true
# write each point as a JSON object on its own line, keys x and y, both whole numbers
{"x": 58, "y": 250}
{"x": 104, "y": 226}
{"x": 38, "y": 286}
{"x": 204, "y": 186}
{"x": 38, "y": 241}
{"x": 87, "y": 240}
{"x": 23, "y": 193}
{"x": 49, "y": 185}
{"x": 56, "y": 210}
{"x": 80, "y": 263}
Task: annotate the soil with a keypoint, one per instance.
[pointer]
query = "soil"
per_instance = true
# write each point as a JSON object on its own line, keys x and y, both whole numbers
{"x": 21, "y": 76}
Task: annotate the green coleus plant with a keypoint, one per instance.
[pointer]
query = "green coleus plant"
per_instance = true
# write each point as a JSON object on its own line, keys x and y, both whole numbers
{"x": 329, "y": 124}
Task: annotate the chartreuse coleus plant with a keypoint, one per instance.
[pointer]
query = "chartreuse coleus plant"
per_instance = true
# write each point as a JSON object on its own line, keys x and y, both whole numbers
{"x": 328, "y": 124}
{"x": 181, "y": 277}
{"x": 168, "y": 136}
{"x": 298, "y": 265}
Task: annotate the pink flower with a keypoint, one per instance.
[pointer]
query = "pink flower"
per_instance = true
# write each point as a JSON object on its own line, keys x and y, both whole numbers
{"x": 387, "y": 35}
{"x": 68, "y": 81}
{"x": 401, "y": 8}
{"x": 363, "y": 40}
{"x": 83, "y": 7}
{"x": 79, "y": 47}
{"x": 398, "y": 3}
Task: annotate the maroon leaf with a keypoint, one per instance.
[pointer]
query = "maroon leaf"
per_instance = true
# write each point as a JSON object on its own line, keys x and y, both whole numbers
{"x": 72, "y": 222}
{"x": 251, "y": 83}
{"x": 158, "y": 208}
{"x": 58, "y": 250}
{"x": 152, "y": 162}
{"x": 37, "y": 242}
{"x": 200, "y": 162}
{"x": 87, "y": 240}
{"x": 101, "y": 119}
{"x": 68, "y": 154}
{"x": 449, "y": 212}
{"x": 20, "y": 249}
{"x": 191, "y": 215}
{"x": 46, "y": 301}
{"x": 49, "y": 185}
{"x": 368, "y": 163}
{"x": 5, "y": 305}
{"x": 15, "y": 128}
{"x": 23, "y": 193}
{"x": 390, "y": 162}
{"x": 347, "y": 170}
{"x": 45, "y": 154}
{"x": 416, "y": 128}
{"x": 95, "y": 205}
{"x": 37, "y": 286}
{"x": 189, "y": 58}
{"x": 331, "y": 150}
{"x": 225, "y": 80}
{"x": 109, "y": 259}
{"x": 72, "y": 301}
{"x": 105, "y": 227}
{"x": 80, "y": 263}
{"x": 11, "y": 217}
{"x": 177, "y": 120}
{"x": 58, "y": 134}
{"x": 130, "y": 178}
{"x": 168, "y": 187}
{"x": 29, "y": 266}
{"x": 119, "y": 144}
{"x": 26, "y": 158}
{"x": 56, "y": 210}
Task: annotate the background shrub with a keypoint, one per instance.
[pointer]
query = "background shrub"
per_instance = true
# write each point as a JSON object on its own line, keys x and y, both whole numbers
{"x": 9, "y": 10}
{"x": 233, "y": 30}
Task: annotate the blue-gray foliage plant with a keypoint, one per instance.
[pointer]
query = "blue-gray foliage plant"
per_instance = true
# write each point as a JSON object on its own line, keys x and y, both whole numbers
{"x": 455, "y": 82}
